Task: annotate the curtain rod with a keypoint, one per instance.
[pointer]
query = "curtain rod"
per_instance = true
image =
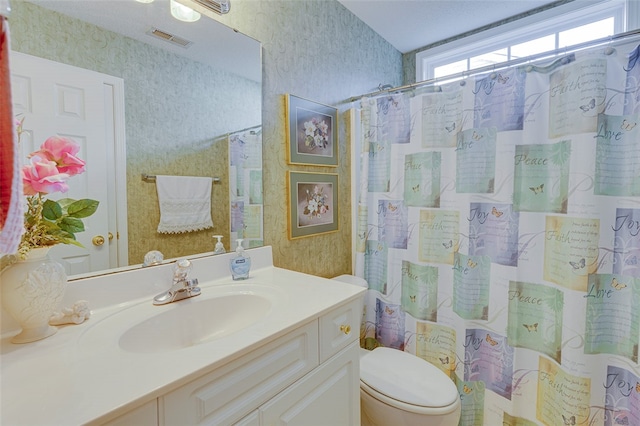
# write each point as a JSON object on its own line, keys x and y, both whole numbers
{"x": 244, "y": 130}
{"x": 501, "y": 65}
{"x": 152, "y": 178}
{"x": 226, "y": 135}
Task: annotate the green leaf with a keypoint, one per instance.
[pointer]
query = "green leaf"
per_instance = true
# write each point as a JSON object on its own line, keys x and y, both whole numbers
{"x": 71, "y": 241}
{"x": 59, "y": 233}
{"x": 71, "y": 225}
{"x": 82, "y": 208}
{"x": 64, "y": 202}
{"x": 67, "y": 238}
{"x": 51, "y": 227}
{"x": 51, "y": 210}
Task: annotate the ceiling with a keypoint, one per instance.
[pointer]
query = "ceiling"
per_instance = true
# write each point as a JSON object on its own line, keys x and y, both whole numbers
{"x": 412, "y": 24}
{"x": 234, "y": 52}
{"x": 405, "y": 24}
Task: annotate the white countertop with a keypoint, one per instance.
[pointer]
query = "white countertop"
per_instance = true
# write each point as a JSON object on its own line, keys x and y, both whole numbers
{"x": 81, "y": 374}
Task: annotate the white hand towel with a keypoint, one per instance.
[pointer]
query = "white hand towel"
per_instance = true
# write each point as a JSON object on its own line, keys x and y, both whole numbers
{"x": 185, "y": 203}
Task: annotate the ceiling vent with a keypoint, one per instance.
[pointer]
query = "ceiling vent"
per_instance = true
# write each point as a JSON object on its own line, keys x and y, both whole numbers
{"x": 163, "y": 35}
{"x": 218, "y": 6}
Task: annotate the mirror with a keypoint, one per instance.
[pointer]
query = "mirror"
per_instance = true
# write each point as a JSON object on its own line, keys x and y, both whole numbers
{"x": 193, "y": 111}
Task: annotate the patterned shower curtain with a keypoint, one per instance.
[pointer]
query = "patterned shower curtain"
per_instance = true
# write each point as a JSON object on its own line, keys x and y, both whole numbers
{"x": 499, "y": 232}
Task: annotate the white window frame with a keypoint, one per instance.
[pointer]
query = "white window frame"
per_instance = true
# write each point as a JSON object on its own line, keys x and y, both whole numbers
{"x": 567, "y": 16}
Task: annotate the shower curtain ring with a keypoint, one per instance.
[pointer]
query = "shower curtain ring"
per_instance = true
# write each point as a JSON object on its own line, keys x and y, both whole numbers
{"x": 609, "y": 50}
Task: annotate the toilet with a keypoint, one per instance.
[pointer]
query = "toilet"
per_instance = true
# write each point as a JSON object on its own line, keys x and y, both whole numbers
{"x": 413, "y": 392}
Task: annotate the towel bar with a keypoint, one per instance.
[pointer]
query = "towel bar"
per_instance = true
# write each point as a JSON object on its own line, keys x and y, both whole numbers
{"x": 152, "y": 178}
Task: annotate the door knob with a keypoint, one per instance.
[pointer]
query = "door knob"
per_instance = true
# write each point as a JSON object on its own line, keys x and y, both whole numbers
{"x": 98, "y": 240}
{"x": 110, "y": 236}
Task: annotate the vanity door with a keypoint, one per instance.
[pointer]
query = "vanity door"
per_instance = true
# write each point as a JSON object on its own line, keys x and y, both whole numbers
{"x": 329, "y": 395}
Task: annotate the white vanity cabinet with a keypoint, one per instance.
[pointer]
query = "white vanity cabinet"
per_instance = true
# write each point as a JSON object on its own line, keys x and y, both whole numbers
{"x": 307, "y": 377}
{"x": 297, "y": 364}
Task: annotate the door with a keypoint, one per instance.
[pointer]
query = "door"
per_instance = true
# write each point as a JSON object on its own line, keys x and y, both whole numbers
{"x": 59, "y": 99}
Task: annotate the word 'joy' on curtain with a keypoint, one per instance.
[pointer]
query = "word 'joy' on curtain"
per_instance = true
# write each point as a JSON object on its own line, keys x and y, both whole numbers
{"x": 499, "y": 232}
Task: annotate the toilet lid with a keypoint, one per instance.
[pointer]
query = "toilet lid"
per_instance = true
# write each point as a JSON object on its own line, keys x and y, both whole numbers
{"x": 407, "y": 378}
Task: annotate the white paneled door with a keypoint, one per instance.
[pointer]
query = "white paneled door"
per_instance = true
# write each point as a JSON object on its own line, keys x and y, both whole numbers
{"x": 58, "y": 99}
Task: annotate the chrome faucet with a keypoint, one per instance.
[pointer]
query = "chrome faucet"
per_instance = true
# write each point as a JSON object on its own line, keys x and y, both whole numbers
{"x": 182, "y": 287}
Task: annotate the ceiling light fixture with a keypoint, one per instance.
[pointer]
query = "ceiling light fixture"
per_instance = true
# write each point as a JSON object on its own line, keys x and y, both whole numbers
{"x": 218, "y": 6}
{"x": 144, "y": 1}
{"x": 183, "y": 13}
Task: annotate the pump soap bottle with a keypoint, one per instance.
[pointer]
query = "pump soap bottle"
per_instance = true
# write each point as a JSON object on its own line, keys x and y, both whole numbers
{"x": 219, "y": 249}
{"x": 240, "y": 263}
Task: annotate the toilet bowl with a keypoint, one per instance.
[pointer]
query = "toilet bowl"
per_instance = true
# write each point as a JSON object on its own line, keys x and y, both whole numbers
{"x": 398, "y": 388}
{"x": 401, "y": 389}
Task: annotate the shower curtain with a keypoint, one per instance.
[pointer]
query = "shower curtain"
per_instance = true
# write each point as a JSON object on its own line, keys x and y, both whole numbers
{"x": 245, "y": 188}
{"x": 498, "y": 228}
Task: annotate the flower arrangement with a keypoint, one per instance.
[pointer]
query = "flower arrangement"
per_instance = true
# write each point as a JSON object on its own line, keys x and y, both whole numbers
{"x": 316, "y": 203}
{"x": 49, "y": 222}
{"x": 316, "y": 133}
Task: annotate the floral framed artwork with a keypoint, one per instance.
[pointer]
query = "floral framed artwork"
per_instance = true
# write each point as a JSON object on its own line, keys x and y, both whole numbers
{"x": 313, "y": 203}
{"x": 312, "y": 132}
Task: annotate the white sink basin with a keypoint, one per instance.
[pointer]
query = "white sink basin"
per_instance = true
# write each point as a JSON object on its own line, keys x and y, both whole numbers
{"x": 220, "y": 312}
{"x": 193, "y": 321}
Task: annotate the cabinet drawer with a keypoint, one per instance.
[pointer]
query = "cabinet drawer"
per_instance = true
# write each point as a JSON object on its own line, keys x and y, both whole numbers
{"x": 229, "y": 393}
{"x": 339, "y": 327}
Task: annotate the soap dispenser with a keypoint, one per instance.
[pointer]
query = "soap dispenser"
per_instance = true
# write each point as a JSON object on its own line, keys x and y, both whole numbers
{"x": 240, "y": 263}
{"x": 219, "y": 249}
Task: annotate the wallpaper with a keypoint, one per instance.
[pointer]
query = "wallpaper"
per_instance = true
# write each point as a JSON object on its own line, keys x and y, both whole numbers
{"x": 498, "y": 230}
{"x": 320, "y": 51}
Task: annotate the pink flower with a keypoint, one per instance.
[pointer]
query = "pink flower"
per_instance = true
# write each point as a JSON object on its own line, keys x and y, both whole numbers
{"x": 63, "y": 152}
{"x": 43, "y": 176}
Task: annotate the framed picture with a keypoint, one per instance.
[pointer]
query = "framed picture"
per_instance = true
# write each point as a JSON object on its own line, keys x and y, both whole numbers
{"x": 312, "y": 132}
{"x": 313, "y": 203}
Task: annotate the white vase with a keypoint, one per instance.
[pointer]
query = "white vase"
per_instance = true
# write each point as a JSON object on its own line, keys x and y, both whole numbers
{"x": 31, "y": 290}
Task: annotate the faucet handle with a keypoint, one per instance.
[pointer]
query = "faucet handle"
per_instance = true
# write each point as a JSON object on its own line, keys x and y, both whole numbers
{"x": 154, "y": 257}
{"x": 181, "y": 269}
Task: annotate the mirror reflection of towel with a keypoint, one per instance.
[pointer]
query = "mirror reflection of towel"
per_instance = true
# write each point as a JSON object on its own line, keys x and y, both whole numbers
{"x": 185, "y": 203}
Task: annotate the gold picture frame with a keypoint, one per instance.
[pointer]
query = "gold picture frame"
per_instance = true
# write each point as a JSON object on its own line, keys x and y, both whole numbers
{"x": 312, "y": 132}
{"x": 313, "y": 203}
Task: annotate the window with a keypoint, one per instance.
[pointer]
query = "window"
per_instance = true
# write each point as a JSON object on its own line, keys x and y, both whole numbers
{"x": 563, "y": 26}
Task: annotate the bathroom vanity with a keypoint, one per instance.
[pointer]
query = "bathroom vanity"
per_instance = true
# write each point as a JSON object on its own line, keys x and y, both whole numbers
{"x": 278, "y": 348}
